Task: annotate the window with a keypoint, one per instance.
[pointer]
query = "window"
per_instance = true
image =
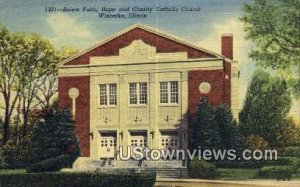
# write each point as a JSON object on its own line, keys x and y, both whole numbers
{"x": 164, "y": 92}
{"x": 132, "y": 93}
{"x": 103, "y": 96}
{"x": 108, "y": 94}
{"x": 169, "y": 92}
{"x": 174, "y": 92}
{"x": 143, "y": 93}
{"x": 138, "y": 93}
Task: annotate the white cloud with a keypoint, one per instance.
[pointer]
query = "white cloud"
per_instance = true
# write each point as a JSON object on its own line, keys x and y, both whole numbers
{"x": 233, "y": 26}
{"x": 68, "y": 31}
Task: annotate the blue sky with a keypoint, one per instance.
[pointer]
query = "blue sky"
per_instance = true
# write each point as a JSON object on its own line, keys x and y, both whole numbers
{"x": 30, "y": 16}
{"x": 83, "y": 29}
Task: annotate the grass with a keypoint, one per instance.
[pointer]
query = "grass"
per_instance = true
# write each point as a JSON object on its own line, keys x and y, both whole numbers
{"x": 12, "y": 171}
{"x": 236, "y": 174}
{"x": 296, "y": 176}
{"x": 239, "y": 174}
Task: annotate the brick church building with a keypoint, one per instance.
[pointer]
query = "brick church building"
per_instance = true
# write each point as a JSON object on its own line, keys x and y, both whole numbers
{"x": 140, "y": 86}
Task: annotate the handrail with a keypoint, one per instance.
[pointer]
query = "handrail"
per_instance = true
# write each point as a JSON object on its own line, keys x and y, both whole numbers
{"x": 116, "y": 154}
{"x": 184, "y": 162}
{"x": 104, "y": 162}
{"x": 140, "y": 164}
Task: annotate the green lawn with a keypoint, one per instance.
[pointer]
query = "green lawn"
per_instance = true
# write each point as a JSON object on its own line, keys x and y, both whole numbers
{"x": 243, "y": 174}
{"x": 12, "y": 171}
{"x": 236, "y": 174}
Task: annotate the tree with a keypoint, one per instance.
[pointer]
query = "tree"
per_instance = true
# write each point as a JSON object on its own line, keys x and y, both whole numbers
{"x": 28, "y": 74}
{"x": 38, "y": 62}
{"x": 11, "y": 53}
{"x": 204, "y": 128}
{"x": 54, "y": 136}
{"x": 291, "y": 133}
{"x": 265, "y": 109}
{"x": 41, "y": 81}
{"x": 49, "y": 88}
{"x": 230, "y": 134}
{"x": 1, "y": 129}
{"x": 273, "y": 26}
{"x": 256, "y": 142}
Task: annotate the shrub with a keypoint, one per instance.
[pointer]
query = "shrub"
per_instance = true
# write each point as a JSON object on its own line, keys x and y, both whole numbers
{"x": 78, "y": 179}
{"x": 255, "y": 142}
{"x": 292, "y": 162}
{"x": 292, "y": 151}
{"x": 202, "y": 169}
{"x": 54, "y": 136}
{"x": 229, "y": 131}
{"x": 1, "y": 156}
{"x": 276, "y": 172}
{"x": 205, "y": 132}
{"x": 50, "y": 165}
{"x": 16, "y": 155}
{"x": 240, "y": 164}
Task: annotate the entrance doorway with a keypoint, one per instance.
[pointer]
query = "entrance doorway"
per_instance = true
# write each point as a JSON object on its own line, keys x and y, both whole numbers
{"x": 169, "y": 140}
{"x": 108, "y": 144}
{"x": 138, "y": 139}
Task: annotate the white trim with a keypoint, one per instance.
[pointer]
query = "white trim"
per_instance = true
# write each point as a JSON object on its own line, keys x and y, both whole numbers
{"x": 138, "y": 94}
{"x": 143, "y": 63}
{"x": 138, "y": 68}
{"x": 108, "y": 95}
{"x": 146, "y": 28}
{"x": 168, "y": 103}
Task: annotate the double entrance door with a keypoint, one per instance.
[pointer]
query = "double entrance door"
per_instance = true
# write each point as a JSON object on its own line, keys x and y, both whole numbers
{"x": 138, "y": 139}
{"x": 108, "y": 145}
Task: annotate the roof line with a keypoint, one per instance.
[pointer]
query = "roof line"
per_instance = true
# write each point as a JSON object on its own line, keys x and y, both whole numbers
{"x": 144, "y": 27}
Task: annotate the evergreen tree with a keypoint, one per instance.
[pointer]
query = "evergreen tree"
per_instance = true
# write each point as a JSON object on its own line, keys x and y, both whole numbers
{"x": 265, "y": 109}
{"x": 54, "y": 136}
{"x": 204, "y": 128}
{"x": 230, "y": 134}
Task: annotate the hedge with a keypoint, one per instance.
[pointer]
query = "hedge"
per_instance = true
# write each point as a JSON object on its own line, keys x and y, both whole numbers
{"x": 290, "y": 161}
{"x": 13, "y": 166}
{"x": 201, "y": 169}
{"x": 87, "y": 179}
{"x": 291, "y": 152}
{"x": 276, "y": 172}
{"x": 238, "y": 164}
{"x": 50, "y": 165}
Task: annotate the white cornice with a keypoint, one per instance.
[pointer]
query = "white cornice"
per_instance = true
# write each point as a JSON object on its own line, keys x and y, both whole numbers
{"x": 146, "y": 62}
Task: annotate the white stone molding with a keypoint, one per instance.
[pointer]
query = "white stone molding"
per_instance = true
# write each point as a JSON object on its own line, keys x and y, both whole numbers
{"x": 138, "y": 50}
{"x": 73, "y": 94}
{"x": 204, "y": 87}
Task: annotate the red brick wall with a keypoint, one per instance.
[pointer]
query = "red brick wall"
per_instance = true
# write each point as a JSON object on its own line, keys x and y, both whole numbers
{"x": 227, "y": 82}
{"x": 227, "y": 46}
{"x": 162, "y": 44}
{"x": 82, "y": 117}
{"x": 216, "y": 94}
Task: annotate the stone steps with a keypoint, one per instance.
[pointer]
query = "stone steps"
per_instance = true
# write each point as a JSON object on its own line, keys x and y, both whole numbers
{"x": 163, "y": 169}
{"x": 168, "y": 172}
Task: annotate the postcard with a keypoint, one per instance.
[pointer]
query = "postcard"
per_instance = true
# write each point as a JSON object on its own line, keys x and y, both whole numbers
{"x": 149, "y": 93}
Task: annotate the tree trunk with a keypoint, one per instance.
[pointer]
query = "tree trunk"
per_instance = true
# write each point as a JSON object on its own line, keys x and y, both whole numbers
{"x": 18, "y": 120}
{"x": 25, "y": 118}
{"x": 6, "y": 121}
{"x": 6, "y": 128}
